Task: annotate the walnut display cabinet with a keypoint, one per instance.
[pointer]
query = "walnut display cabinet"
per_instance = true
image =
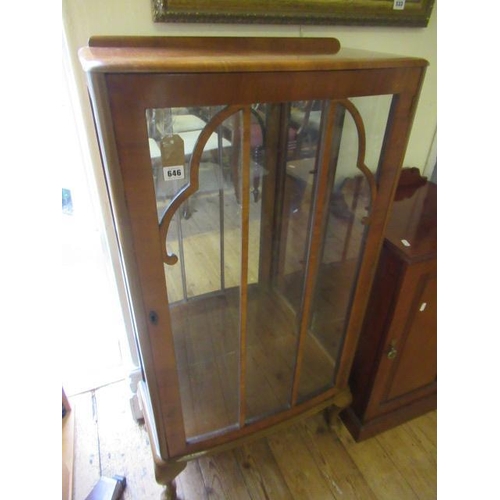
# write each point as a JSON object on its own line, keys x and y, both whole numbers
{"x": 250, "y": 181}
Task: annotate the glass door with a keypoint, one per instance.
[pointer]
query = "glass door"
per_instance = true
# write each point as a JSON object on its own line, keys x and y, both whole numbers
{"x": 262, "y": 212}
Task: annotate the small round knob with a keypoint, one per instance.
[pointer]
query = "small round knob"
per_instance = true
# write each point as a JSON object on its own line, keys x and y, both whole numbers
{"x": 153, "y": 317}
{"x": 392, "y": 352}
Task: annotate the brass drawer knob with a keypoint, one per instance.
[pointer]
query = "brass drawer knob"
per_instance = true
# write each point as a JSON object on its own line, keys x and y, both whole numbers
{"x": 393, "y": 352}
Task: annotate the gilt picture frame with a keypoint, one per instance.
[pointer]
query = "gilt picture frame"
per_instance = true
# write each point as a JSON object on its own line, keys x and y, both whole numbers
{"x": 411, "y": 13}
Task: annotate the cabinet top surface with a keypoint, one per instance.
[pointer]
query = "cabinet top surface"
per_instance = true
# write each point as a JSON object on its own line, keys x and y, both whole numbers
{"x": 412, "y": 227}
{"x": 229, "y": 54}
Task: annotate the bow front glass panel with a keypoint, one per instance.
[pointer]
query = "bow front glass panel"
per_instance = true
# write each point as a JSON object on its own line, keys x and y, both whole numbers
{"x": 262, "y": 214}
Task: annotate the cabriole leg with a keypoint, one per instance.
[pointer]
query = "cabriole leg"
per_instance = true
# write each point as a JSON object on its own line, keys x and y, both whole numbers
{"x": 170, "y": 491}
{"x": 165, "y": 474}
{"x": 340, "y": 402}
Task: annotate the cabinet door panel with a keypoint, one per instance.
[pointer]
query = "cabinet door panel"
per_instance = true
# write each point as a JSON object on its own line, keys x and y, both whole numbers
{"x": 260, "y": 294}
{"x": 417, "y": 366}
{"x": 408, "y": 367}
{"x": 351, "y": 186}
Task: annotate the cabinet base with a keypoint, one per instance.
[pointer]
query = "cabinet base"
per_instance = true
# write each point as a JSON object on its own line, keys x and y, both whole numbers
{"x": 167, "y": 470}
{"x": 361, "y": 429}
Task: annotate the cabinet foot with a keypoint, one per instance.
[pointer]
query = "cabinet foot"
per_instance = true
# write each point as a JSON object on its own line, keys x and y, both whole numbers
{"x": 170, "y": 491}
{"x": 340, "y": 402}
{"x": 165, "y": 474}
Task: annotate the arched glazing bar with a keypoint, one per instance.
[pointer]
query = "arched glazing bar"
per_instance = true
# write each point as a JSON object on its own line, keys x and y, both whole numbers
{"x": 193, "y": 184}
{"x": 192, "y": 187}
{"x": 360, "y": 164}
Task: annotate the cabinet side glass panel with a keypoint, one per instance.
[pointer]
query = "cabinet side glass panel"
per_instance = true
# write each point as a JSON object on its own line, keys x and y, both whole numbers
{"x": 349, "y": 203}
{"x": 205, "y": 234}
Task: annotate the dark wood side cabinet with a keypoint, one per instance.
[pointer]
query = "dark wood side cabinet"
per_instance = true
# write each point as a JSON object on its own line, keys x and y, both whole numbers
{"x": 394, "y": 375}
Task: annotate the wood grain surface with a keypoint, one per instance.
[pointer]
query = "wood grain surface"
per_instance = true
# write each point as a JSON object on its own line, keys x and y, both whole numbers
{"x": 302, "y": 462}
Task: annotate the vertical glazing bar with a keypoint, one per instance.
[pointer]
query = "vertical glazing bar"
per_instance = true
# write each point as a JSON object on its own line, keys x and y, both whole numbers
{"x": 181, "y": 254}
{"x": 220, "y": 177}
{"x": 269, "y": 193}
{"x": 315, "y": 238}
{"x": 245, "y": 220}
{"x": 338, "y": 127}
{"x": 357, "y": 189}
{"x": 280, "y": 221}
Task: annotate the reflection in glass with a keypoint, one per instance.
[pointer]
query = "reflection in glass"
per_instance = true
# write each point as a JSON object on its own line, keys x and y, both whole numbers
{"x": 205, "y": 234}
{"x": 342, "y": 245}
{"x": 283, "y": 224}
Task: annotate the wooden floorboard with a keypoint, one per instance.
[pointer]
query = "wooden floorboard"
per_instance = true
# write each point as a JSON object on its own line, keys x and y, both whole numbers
{"x": 305, "y": 461}
{"x": 416, "y": 468}
{"x": 302, "y": 476}
{"x": 68, "y": 453}
{"x": 334, "y": 461}
{"x": 86, "y": 470}
{"x": 123, "y": 445}
{"x": 377, "y": 467}
{"x": 261, "y": 472}
{"x": 222, "y": 477}
{"x": 190, "y": 483}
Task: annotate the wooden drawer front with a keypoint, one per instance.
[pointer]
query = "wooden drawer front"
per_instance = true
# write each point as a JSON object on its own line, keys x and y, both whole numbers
{"x": 412, "y": 336}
